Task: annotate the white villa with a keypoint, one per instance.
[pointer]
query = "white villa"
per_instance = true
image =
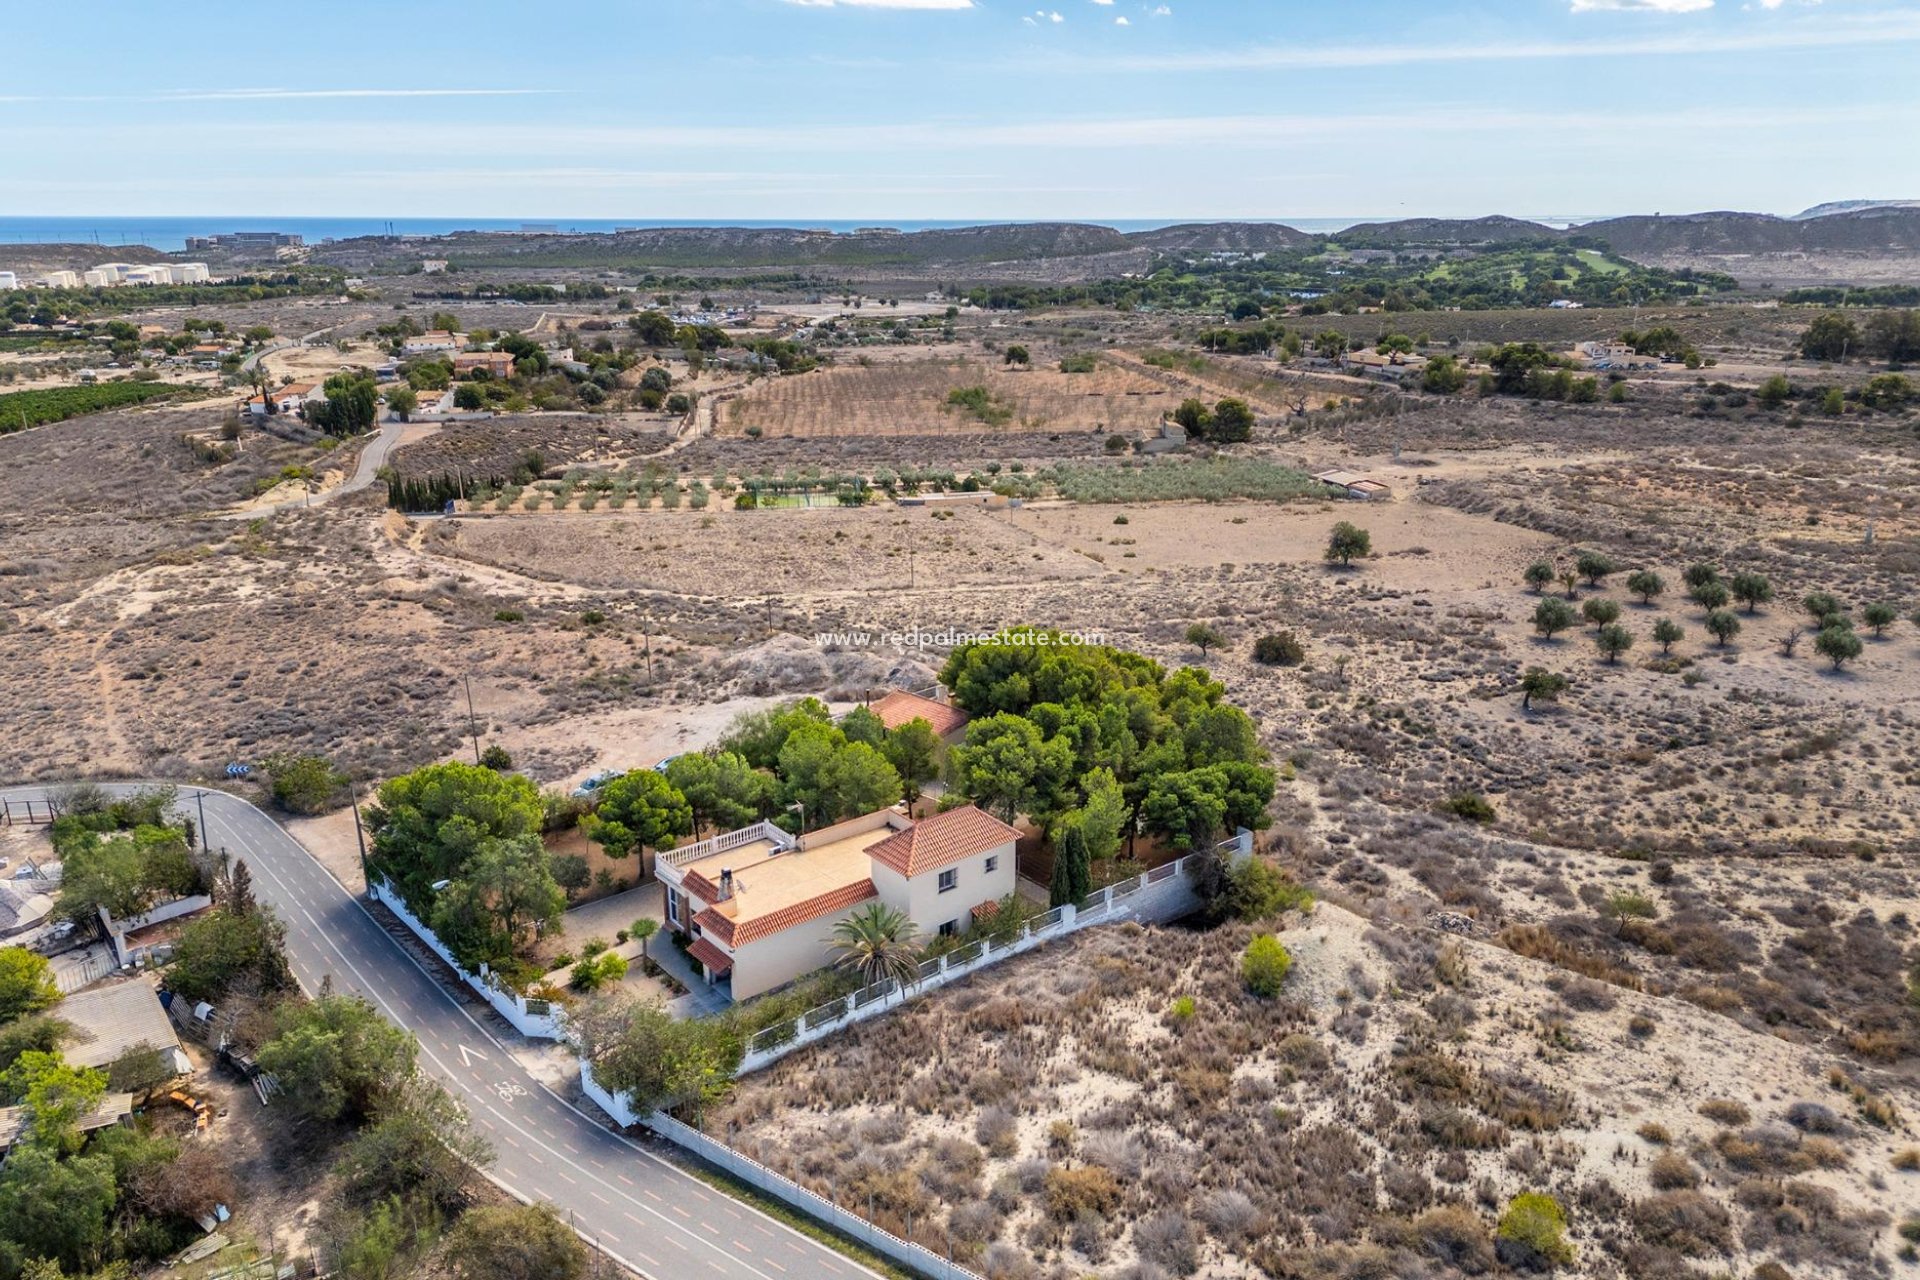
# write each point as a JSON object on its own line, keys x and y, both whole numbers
{"x": 760, "y": 905}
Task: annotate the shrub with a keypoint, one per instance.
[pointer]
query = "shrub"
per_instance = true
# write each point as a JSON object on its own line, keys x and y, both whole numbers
{"x": 1724, "y": 1111}
{"x": 1282, "y": 649}
{"x": 1454, "y": 1236}
{"x": 1532, "y": 1232}
{"x": 1090, "y": 1189}
{"x": 304, "y": 784}
{"x": 1671, "y": 1171}
{"x": 1470, "y": 805}
{"x": 1264, "y": 965}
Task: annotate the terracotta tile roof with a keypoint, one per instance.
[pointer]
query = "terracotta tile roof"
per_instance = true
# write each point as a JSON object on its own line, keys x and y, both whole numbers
{"x": 717, "y": 961}
{"x": 699, "y": 886}
{"x": 901, "y": 707}
{"x": 942, "y": 840}
{"x": 987, "y": 910}
{"x": 738, "y": 933}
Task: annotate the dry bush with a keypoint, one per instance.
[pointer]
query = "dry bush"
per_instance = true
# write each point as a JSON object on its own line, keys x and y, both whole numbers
{"x": 1672, "y": 1171}
{"x": 1724, "y": 1111}
{"x": 1168, "y": 1240}
{"x": 1455, "y": 1236}
{"x": 1073, "y": 1192}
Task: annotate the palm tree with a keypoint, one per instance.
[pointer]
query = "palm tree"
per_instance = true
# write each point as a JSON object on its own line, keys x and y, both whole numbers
{"x": 643, "y": 928}
{"x": 877, "y": 942}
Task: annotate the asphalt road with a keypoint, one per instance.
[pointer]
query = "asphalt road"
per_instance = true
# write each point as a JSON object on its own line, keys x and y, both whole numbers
{"x": 645, "y": 1212}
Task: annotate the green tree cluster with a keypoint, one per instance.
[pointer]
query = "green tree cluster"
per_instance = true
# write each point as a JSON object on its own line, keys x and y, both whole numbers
{"x": 1061, "y": 730}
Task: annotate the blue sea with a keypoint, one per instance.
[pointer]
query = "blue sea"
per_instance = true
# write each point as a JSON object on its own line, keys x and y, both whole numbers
{"x": 170, "y": 234}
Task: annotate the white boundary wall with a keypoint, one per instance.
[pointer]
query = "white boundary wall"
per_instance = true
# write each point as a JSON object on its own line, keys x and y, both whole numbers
{"x": 535, "y": 1019}
{"x": 1163, "y": 894}
{"x": 750, "y": 1171}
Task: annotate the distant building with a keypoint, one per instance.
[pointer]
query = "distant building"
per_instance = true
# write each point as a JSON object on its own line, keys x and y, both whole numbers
{"x": 8, "y": 280}
{"x": 1352, "y": 484}
{"x": 1566, "y": 304}
{"x": 436, "y": 340}
{"x": 1387, "y": 365}
{"x": 1615, "y": 356}
{"x": 433, "y": 266}
{"x": 498, "y": 364}
{"x": 152, "y": 273}
{"x": 61, "y": 280}
{"x": 191, "y": 273}
{"x": 98, "y": 279}
{"x": 290, "y": 399}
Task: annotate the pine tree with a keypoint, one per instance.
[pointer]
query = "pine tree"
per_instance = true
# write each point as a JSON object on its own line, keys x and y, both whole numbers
{"x": 1072, "y": 879}
{"x": 240, "y": 890}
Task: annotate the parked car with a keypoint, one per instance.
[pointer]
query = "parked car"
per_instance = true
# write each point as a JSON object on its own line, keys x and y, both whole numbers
{"x": 661, "y": 767}
{"x": 596, "y": 782}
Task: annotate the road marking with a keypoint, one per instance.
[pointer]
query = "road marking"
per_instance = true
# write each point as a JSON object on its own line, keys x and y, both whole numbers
{"x": 467, "y": 1055}
{"x": 323, "y": 940}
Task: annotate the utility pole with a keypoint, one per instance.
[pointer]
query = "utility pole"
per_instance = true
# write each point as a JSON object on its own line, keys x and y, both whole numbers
{"x": 200, "y": 797}
{"x": 647, "y": 637}
{"x": 473, "y": 724}
{"x": 359, "y": 835}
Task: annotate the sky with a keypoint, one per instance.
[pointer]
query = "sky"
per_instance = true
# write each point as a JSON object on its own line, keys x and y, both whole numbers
{"x": 957, "y": 109}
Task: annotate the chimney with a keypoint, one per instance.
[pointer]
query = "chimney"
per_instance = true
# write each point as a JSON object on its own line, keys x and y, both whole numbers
{"x": 726, "y": 883}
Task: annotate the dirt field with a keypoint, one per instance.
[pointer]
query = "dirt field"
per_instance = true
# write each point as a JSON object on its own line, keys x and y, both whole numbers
{"x": 909, "y": 397}
{"x": 1059, "y": 1117}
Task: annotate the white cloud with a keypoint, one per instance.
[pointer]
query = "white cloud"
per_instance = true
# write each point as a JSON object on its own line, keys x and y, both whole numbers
{"x": 1641, "y": 6}
{"x": 1121, "y": 22}
{"x": 1888, "y": 27}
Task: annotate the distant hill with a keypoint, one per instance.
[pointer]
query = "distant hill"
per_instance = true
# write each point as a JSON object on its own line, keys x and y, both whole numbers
{"x": 1888, "y": 229}
{"x": 1040, "y": 251}
{"x": 1444, "y": 232}
{"x": 1222, "y": 237}
{"x": 1850, "y": 206}
{"x": 759, "y": 246}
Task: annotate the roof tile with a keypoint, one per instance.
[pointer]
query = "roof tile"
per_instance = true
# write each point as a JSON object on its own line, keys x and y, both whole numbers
{"x": 900, "y": 707}
{"x": 738, "y": 933}
{"x": 942, "y": 840}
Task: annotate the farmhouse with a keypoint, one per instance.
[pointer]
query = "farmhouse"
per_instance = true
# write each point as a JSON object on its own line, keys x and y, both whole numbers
{"x": 110, "y": 1020}
{"x": 901, "y": 707}
{"x": 498, "y": 364}
{"x": 1388, "y": 364}
{"x": 759, "y": 906}
{"x": 433, "y": 340}
{"x": 1614, "y": 355}
{"x": 288, "y": 399}
{"x": 1351, "y": 484}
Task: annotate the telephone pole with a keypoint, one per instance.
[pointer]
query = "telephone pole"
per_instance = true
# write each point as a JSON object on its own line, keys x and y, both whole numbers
{"x": 359, "y": 835}
{"x": 473, "y": 723}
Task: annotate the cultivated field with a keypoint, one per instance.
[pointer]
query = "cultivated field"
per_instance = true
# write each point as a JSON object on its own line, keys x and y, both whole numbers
{"x": 909, "y": 397}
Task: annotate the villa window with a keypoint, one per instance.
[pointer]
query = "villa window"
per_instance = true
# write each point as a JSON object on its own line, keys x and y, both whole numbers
{"x": 993, "y": 864}
{"x": 950, "y": 928}
{"x": 949, "y": 880}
